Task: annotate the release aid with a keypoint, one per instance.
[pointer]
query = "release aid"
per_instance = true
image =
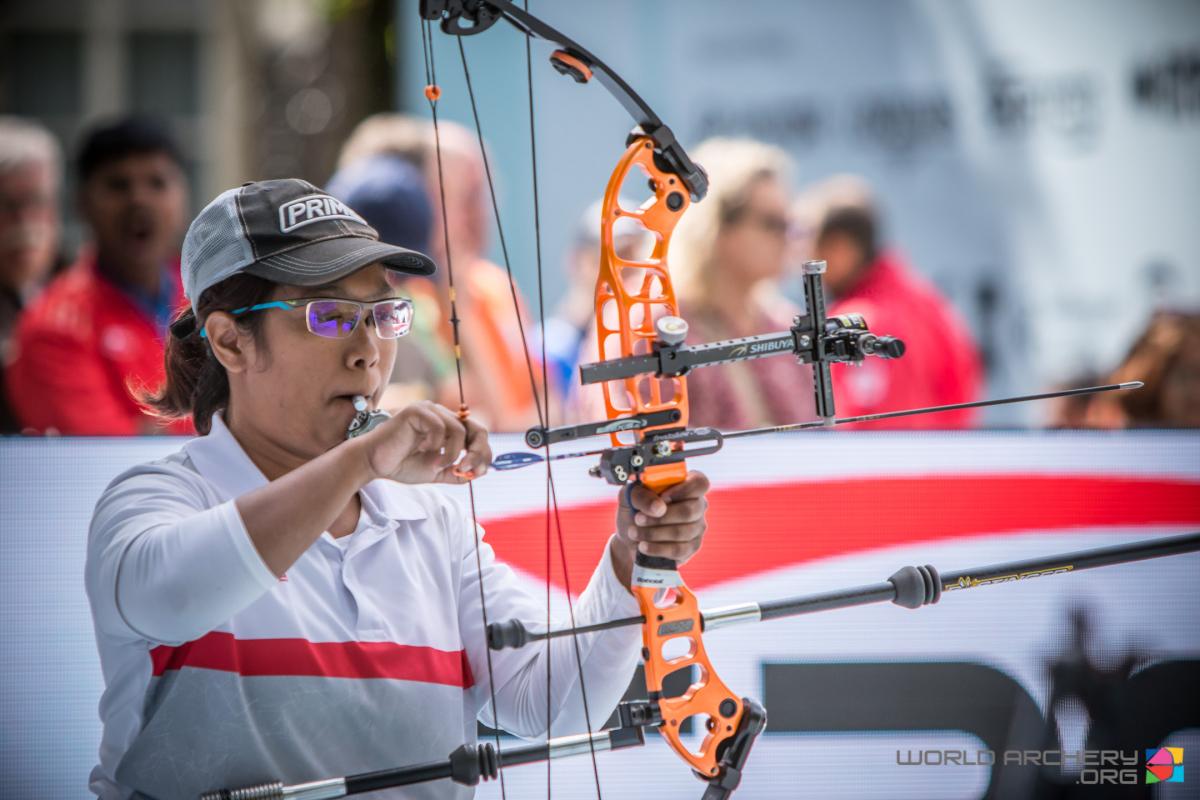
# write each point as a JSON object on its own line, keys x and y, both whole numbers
{"x": 365, "y": 419}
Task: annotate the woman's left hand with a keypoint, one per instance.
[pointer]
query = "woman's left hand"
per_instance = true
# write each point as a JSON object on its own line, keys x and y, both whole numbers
{"x": 670, "y": 525}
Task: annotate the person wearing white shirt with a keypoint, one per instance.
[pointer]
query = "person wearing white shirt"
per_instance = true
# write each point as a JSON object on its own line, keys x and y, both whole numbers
{"x": 277, "y": 601}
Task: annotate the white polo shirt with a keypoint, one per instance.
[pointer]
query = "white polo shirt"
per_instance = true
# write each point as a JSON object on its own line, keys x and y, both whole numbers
{"x": 369, "y": 654}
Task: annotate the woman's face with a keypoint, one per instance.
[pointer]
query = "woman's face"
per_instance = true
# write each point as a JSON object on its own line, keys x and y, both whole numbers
{"x": 754, "y": 244}
{"x": 298, "y": 393}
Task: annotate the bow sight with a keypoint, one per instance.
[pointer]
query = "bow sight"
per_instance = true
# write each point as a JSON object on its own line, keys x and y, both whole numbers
{"x": 814, "y": 338}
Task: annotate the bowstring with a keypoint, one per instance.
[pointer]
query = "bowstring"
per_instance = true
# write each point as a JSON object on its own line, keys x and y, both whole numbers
{"x": 537, "y": 243}
{"x": 432, "y": 96}
{"x": 543, "y": 413}
{"x": 551, "y": 490}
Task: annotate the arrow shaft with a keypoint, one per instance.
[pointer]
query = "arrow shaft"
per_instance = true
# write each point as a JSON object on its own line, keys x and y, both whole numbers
{"x": 510, "y": 461}
{"x": 912, "y": 412}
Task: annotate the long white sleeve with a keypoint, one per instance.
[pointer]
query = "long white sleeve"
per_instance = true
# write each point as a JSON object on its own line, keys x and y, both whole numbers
{"x": 608, "y": 657}
{"x": 163, "y": 565}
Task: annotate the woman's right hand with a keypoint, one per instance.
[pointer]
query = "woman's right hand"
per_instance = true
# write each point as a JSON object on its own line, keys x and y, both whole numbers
{"x": 421, "y": 444}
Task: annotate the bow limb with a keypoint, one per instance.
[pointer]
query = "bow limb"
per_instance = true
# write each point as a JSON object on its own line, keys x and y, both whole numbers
{"x": 461, "y": 18}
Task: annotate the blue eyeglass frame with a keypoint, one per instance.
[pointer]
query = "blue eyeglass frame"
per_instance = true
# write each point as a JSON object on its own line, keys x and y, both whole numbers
{"x": 304, "y": 302}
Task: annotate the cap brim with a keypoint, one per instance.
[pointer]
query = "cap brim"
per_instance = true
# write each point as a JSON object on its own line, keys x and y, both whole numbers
{"x": 330, "y": 259}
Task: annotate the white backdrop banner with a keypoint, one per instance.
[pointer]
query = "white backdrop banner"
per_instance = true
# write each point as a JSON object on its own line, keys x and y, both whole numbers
{"x": 851, "y": 694}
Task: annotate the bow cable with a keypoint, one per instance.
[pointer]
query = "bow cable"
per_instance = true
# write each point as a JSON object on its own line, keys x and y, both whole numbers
{"x": 432, "y": 94}
{"x": 551, "y": 492}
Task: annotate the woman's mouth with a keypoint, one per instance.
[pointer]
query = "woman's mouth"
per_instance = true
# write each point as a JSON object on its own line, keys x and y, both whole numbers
{"x": 356, "y": 400}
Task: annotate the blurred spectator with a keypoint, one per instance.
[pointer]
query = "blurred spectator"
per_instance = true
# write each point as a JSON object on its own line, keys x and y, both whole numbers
{"x": 408, "y": 138}
{"x": 30, "y": 181}
{"x": 727, "y": 256}
{"x": 942, "y": 364}
{"x": 1072, "y": 411}
{"x": 566, "y": 330}
{"x": 496, "y": 376}
{"x": 95, "y": 335}
{"x": 1166, "y": 357}
{"x": 390, "y": 193}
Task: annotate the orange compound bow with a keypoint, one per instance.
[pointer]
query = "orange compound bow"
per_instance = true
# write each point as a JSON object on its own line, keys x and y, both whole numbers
{"x": 636, "y": 316}
{"x": 642, "y": 368}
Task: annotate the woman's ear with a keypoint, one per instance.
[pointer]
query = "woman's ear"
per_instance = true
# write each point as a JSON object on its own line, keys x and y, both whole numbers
{"x": 231, "y": 345}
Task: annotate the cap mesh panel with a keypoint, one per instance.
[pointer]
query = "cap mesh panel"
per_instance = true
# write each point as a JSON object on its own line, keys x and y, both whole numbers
{"x": 215, "y": 247}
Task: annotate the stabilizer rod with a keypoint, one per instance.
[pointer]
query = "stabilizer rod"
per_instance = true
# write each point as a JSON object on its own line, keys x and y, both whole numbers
{"x": 467, "y": 765}
{"x": 910, "y": 587}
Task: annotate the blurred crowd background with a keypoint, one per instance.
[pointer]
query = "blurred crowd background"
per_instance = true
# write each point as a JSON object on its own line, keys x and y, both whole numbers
{"x": 1011, "y": 189}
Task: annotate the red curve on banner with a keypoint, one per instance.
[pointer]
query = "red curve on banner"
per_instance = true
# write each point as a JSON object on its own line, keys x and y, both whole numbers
{"x": 754, "y": 529}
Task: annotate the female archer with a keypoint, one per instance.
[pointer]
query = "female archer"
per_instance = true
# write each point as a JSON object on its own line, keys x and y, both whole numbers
{"x": 279, "y": 601}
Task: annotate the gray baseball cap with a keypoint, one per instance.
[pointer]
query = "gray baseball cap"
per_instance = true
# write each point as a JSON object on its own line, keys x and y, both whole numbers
{"x": 287, "y": 231}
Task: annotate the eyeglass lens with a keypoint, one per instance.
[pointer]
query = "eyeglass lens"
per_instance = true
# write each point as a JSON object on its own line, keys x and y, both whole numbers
{"x": 333, "y": 319}
{"x": 336, "y": 319}
{"x": 393, "y": 318}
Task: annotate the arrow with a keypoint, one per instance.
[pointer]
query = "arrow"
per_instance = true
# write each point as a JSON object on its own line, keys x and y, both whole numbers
{"x": 519, "y": 459}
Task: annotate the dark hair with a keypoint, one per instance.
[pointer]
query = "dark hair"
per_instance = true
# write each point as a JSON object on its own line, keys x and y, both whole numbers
{"x": 856, "y": 223}
{"x": 197, "y": 385}
{"x": 129, "y": 136}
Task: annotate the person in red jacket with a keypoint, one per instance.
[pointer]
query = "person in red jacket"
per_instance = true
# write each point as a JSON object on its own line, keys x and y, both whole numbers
{"x": 93, "y": 340}
{"x": 30, "y": 229}
{"x": 942, "y": 363}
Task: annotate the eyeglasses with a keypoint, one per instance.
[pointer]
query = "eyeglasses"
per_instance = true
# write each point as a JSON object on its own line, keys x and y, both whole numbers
{"x": 774, "y": 224}
{"x": 334, "y": 318}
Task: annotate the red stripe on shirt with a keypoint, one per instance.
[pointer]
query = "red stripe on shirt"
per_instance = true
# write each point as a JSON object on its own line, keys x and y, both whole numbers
{"x": 300, "y": 657}
{"x": 753, "y": 529}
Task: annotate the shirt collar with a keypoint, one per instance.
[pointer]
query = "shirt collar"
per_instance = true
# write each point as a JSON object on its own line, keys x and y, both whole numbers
{"x": 220, "y": 459}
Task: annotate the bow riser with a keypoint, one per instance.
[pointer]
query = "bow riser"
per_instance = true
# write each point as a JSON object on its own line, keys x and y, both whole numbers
{"x": 672, "y": 628}
{"x": 625, "y": 319}
{"x": 631, "y": 297}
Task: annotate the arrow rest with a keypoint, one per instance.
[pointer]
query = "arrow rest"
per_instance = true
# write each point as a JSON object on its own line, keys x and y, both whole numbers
{"x": 620, "y": 465}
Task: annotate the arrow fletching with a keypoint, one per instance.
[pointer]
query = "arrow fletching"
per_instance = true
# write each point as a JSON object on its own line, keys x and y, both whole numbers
{"x": 516, "y": 460}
